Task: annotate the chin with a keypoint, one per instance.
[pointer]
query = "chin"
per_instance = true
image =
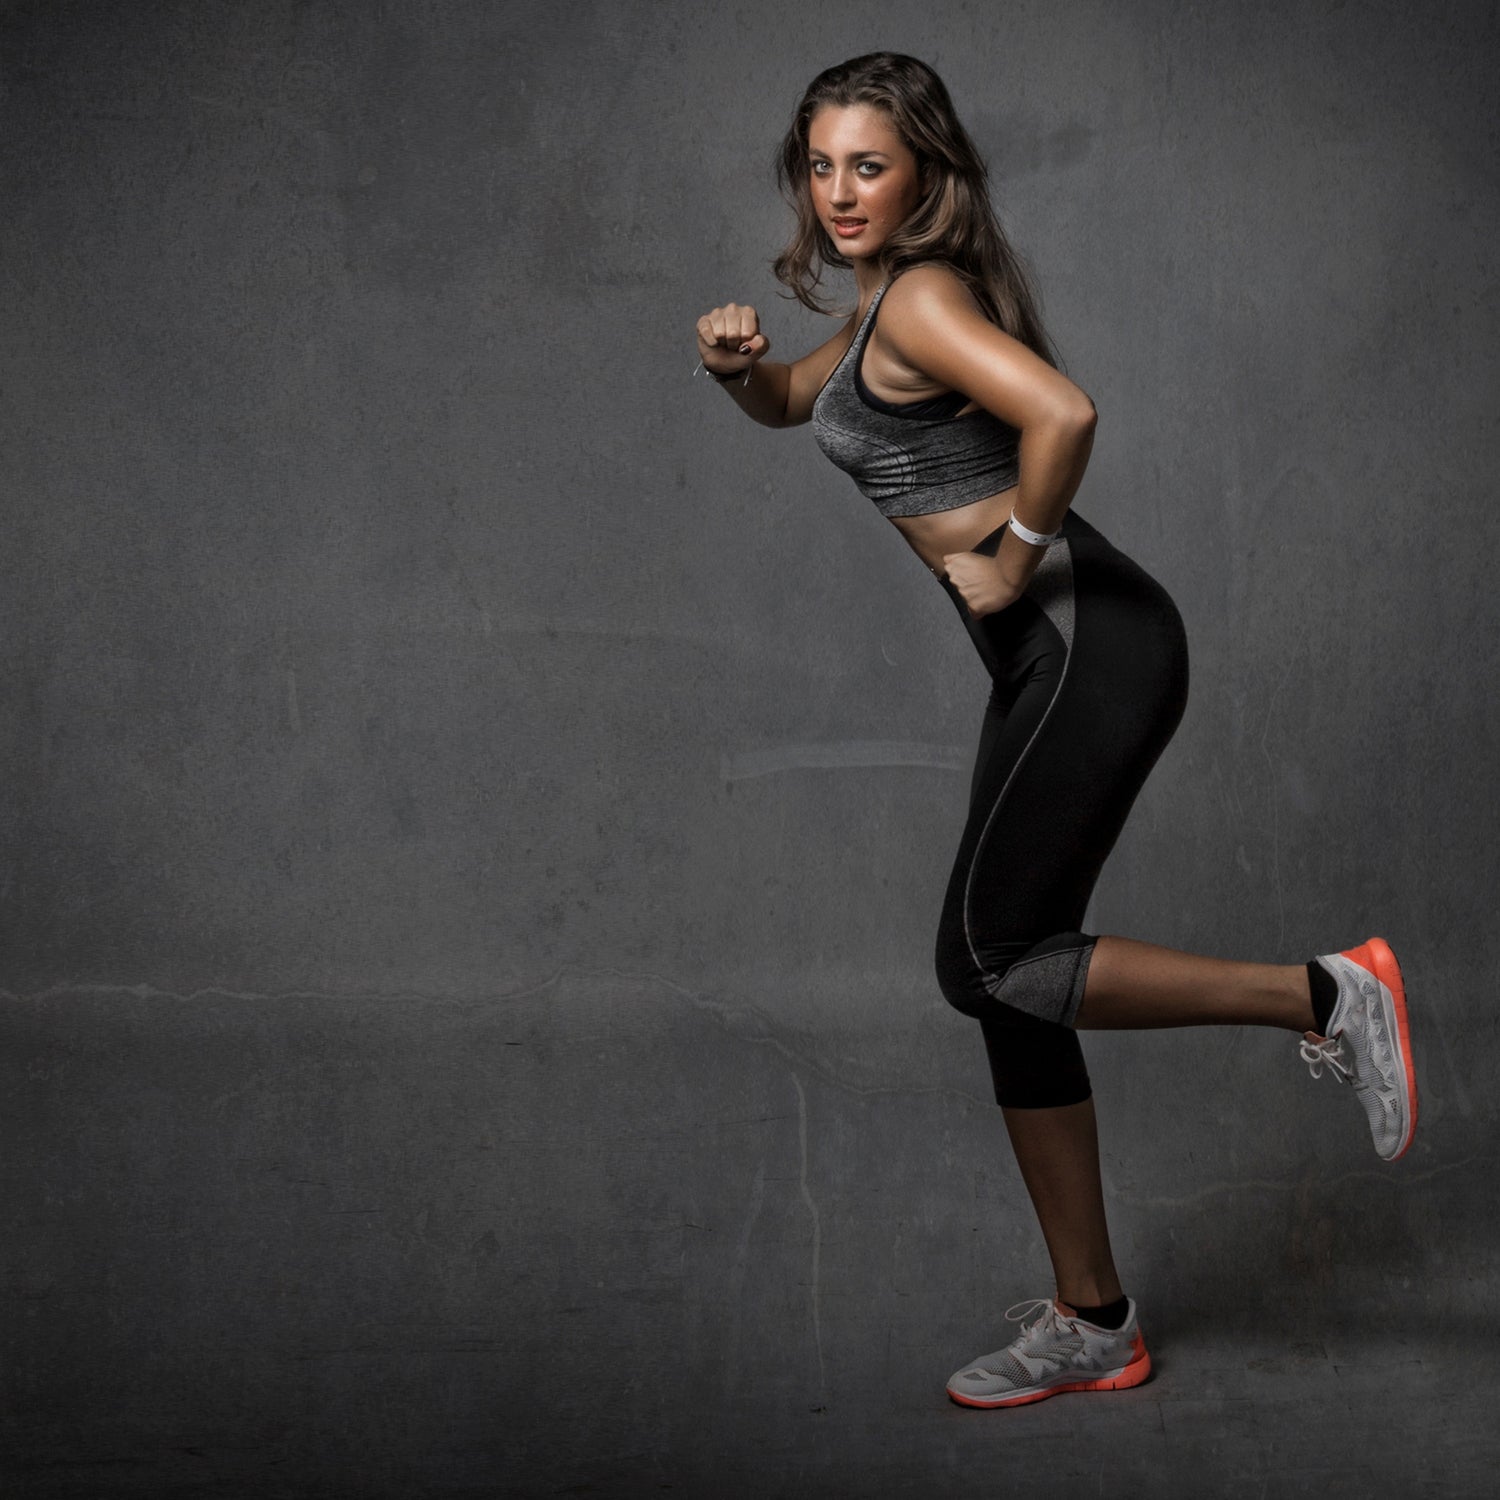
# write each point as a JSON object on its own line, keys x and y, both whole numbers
{"x": 845, "y": 251}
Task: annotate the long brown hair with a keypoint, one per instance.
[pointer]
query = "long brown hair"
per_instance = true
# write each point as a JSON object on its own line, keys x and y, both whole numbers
{"x": 955, "y": 223}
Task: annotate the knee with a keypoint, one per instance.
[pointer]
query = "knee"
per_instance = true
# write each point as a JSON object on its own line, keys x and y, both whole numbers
{"x": 1044, "y": 979}
{"x": 1021, "y": 994}
{"x": 959, "y": 975}
{"x": 1024, "y": 975}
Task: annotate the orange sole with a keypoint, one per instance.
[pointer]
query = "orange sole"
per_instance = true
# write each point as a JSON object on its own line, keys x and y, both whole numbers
{"x": 1376, "y": 956}
{"x": 1135, "y": 1373}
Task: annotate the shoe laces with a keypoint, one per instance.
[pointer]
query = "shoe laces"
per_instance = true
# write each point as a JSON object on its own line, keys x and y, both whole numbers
{"x": 1046, "y": 1320}
{"x": 1330, "y": 1050}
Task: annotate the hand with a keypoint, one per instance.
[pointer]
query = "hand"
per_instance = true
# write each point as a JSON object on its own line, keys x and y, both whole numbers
{"x": 730, "y": 340}
{"x": 978, "y": 579}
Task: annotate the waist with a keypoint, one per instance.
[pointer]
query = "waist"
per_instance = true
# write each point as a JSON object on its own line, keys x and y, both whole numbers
{"x": 974, "y": 528}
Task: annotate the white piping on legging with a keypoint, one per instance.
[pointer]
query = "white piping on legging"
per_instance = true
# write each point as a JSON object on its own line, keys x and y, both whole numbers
{"x": 1068, "y": 639}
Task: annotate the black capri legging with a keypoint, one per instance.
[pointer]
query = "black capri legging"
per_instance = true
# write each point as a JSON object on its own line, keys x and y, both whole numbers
{"x": 1090, "y": 673}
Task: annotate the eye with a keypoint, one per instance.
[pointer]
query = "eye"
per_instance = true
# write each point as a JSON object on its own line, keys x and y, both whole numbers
{"x": 874, "y": 166}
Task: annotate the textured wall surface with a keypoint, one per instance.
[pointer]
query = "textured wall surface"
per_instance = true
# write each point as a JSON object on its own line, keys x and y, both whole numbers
{"x": 476, "y": 807}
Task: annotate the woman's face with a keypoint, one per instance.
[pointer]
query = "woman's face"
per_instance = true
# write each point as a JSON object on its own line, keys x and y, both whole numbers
{"x": 861, "y": 173}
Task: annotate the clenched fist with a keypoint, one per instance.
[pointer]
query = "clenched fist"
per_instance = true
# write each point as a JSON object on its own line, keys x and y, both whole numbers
{"x": 980, "y": 582}
{"x": 730, "y": 340}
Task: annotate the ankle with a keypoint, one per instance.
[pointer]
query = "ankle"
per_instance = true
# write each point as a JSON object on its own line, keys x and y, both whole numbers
{"x": 1090, "y": 1291}
{"x": 1109, "y": 1315}
{"x": 1323, "y": 995}
{"x": 1298, "y": 1012}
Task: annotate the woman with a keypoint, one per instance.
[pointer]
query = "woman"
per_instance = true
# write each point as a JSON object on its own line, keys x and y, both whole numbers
{"x": 949, "y": 413}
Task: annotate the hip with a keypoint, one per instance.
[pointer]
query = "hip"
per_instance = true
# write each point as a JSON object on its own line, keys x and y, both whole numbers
{"x": 1087, "y": 597}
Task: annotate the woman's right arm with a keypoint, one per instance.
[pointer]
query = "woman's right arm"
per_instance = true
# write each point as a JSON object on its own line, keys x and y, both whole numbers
{"x": 776, "y": 395}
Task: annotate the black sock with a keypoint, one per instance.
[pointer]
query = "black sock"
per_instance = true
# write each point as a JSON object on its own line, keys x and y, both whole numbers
{"x": 1325, "y": 994}
{"x": 1111, "y": 1315}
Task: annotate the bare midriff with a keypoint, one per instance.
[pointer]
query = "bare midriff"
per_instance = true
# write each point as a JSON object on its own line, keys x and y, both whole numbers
{"x": 933, "y": 537}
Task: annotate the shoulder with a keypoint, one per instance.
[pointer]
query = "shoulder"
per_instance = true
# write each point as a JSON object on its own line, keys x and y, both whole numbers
{"x": 929, "y": 315}
{"x": 928, "y": 306}
{"x": 937, "y": 327}
{"x": 931, "y": 289}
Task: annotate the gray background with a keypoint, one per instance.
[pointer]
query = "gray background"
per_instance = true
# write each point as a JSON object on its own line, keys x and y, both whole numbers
{"x": 476, "y": 807}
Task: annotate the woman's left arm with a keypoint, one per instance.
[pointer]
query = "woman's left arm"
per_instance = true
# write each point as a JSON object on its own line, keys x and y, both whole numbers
{"x": 938, "y": 327}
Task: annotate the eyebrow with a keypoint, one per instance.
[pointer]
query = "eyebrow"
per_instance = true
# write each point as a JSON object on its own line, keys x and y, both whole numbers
{"x": 853, "y": 155}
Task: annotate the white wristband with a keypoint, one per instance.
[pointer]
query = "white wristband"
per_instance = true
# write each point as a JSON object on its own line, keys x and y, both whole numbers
{"x": 1036, "y": 538}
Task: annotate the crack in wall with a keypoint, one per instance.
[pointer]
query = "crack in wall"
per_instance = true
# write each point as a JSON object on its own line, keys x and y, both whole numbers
{"x": 817, "y": 1236}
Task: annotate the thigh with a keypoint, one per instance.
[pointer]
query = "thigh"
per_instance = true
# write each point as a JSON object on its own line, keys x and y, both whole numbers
{"x": 1089, "y": 673}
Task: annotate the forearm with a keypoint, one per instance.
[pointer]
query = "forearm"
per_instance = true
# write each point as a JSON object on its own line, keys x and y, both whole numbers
{"x": 763, "y": 397}
{"x": 1053, "y": 459}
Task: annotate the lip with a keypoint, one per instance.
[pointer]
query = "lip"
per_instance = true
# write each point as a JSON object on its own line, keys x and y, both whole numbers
{"x": 848, "y": 228}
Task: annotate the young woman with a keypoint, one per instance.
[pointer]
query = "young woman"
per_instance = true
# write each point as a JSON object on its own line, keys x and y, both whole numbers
{"x": 940, "y": 398}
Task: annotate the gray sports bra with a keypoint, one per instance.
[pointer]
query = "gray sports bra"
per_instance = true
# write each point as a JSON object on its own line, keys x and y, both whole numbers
{"x": 911, "y": 458}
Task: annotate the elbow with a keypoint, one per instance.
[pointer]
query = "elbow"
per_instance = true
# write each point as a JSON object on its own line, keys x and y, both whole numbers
{"x": 1071, "y": 423}
{"x": 1069, "y": 415}
{"x": 1081, "y": 415}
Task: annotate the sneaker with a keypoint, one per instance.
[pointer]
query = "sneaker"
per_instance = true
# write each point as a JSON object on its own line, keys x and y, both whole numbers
{"x": 1368, "y": 1044}
{"x": 1055, "y": 1352}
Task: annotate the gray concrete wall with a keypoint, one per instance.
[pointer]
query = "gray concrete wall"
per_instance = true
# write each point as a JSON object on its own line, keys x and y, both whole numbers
{"x": 476, "y": 808}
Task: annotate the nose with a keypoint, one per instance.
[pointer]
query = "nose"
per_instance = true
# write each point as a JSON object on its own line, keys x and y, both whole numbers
{"x": 841, "y": 191}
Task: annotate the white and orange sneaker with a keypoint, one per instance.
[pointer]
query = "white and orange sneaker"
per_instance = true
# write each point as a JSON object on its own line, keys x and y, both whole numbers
{"x": 1055, "y": 1352}
{"x": 1368, "y": 1045}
